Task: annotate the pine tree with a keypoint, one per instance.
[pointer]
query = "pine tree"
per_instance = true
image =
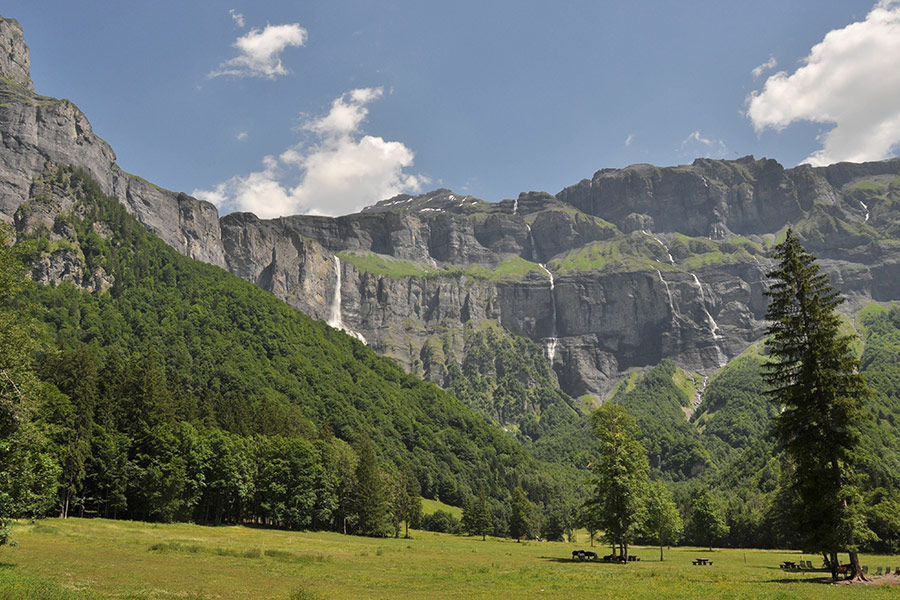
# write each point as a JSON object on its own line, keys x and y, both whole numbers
{"x": 370, "y": 496}
{"x": 412, "y": 507}
{"x": 620, "y": 475}
{"x": 814, "y": 378}
{"x": 521, "y": 519}
{"x": 481, "y": 519}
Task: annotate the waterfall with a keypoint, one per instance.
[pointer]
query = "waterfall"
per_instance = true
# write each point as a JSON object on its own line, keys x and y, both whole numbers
{"x": 661, "y": 243}
{"x": 666, "y": 248}
{"x": 711, "y": 323}
{"x": 669, "y": 294}
{"x": 865, "y": 208}
{"x": 516, "y": 206}
{"x": 553, "y": 340}
{"x": 533, "y": 249}
{"x": 336, "y": 319}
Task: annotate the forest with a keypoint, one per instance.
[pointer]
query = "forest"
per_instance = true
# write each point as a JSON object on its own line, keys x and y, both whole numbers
{"x": 175, "y": 391}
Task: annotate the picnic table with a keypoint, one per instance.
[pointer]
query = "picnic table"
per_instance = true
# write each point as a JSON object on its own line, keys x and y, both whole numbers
{"x": 702, "y": 562}
{"x": 789, "y": 565}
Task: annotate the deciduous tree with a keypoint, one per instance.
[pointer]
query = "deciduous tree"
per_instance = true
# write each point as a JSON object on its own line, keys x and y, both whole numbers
{"x": 620, "y": 475}
{"x": 663, "y": 521}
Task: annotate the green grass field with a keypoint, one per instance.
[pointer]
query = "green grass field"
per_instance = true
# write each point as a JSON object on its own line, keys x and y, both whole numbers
{"x": 117, "y": 559}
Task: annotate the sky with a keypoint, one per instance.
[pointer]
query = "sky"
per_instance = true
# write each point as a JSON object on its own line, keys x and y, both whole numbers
{"x": 324, "y": 107}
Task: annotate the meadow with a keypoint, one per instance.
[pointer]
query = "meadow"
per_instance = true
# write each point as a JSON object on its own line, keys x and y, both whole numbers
{"x": 95, "y": 558}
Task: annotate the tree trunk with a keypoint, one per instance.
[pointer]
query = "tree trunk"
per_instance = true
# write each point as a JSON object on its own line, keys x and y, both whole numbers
{"x": 856, "y": 570}
{"x": 833, "y": 563}
{"x": 660, "y": 553}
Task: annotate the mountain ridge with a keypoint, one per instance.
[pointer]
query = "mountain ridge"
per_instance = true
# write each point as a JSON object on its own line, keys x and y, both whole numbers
{"x": 613, "y": 273}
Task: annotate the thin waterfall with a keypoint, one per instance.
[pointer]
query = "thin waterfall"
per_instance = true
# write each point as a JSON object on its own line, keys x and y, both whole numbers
{"x": 669, "y": 295}
{"x": 516, "y": 206}
{"x": 531, "y": 241}
{"x": 336, "y": 319}
{"x": 711, "y": 323}
{"x": 661, "y": 243}
{"x": 666, "y": 248}
{"x": 553, "y": 340}
{"x": 865, "y": 208}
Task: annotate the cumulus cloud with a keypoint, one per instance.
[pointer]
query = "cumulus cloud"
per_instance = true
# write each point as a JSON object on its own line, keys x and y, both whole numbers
{"x": 850, "y": 79}
{"x": 242, "y": 136}
{"x": 338, "y": 171}
{"x": 237, "y": 17}
{"x": 259, "y": 52}
{"x": 696, "y": 144}
{"x": 766, "y": 66}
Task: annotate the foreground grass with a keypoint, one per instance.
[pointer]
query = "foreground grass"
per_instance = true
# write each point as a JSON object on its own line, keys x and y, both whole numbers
{"x": 79, "y": 559}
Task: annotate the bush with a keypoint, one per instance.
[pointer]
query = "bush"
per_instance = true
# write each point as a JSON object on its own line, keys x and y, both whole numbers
{"x": 440, "y": 521}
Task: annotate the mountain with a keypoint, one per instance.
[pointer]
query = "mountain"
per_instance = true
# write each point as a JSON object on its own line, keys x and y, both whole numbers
{"x": 615, "y": 273}
{"x": 643, "y": 286}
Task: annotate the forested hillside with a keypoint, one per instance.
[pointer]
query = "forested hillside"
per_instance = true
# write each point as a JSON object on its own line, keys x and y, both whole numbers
{"x": 727, "y": 446}
{"x": 165, "y": 388}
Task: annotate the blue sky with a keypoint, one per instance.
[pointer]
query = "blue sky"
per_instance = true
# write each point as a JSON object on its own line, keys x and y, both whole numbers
{"x": 323, "y": 107}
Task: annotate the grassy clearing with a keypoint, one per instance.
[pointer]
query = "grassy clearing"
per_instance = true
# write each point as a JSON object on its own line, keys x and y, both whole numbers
{"x": 78, "y": 559}
{"x": 397, "y": 268}
{"x": 432, "y": 506}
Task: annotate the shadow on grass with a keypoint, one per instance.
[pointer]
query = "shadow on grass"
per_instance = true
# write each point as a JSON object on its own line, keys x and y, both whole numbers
{"x": 4, "y": 565}
{"x": 817, "y": 580}
{"x": 566, "y": 560}
{"x": 575, "y": 561}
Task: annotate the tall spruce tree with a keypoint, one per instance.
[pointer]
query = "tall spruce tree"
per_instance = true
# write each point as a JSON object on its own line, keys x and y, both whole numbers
{"x": 620, "y": 476}
{"x": 476, "y": 518}
{"x": 370, "y": 496}
{"x": 814, "y": 378}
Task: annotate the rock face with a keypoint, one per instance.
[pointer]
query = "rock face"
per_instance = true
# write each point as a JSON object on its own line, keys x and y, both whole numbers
{"x": 626, "y": 292}
{"x": 616, "y": 272}
{"x": 36, "y": 130}
{"x": 14, "y": 63}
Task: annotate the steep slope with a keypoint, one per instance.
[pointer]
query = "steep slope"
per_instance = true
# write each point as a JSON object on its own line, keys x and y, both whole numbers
{"x": 35, "y": 129}
{"x": 177, "y": 341}
{"x": 615, "y": 273}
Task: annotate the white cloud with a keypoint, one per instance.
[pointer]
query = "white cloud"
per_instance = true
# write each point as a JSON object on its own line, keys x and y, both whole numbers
{"x": 850, "y": 79}
{"x": 237, "y": 17}
{"x": 339, "y": 172}
{"x": 766, "y": 66}
{"x": 629, "y": 139}
{"x": 696, "y": 145}
{"x": 242, "y": 136}
{"x": 259, "y": 52}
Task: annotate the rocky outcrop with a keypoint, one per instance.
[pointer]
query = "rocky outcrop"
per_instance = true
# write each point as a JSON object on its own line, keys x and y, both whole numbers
{"x": 14, "y": 63}
{"x": 36, "y": 130}
{"x": 613, "y": 273}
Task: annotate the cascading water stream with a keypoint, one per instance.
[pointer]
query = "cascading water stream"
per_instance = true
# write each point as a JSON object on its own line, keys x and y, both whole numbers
{"x": 553, "y": 340}
{"x": 711, "y": 323}
{"x": 865, "y": 208}
{"x": 336, "y": 319}
{"x": 669, "y": 295}
{"x": 661, "y": 243}
{"x": 531, "y": 241}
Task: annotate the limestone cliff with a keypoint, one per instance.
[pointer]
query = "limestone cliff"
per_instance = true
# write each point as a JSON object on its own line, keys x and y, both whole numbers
{"x": 36, "y": 130}
{"x": 613, "y": 273}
